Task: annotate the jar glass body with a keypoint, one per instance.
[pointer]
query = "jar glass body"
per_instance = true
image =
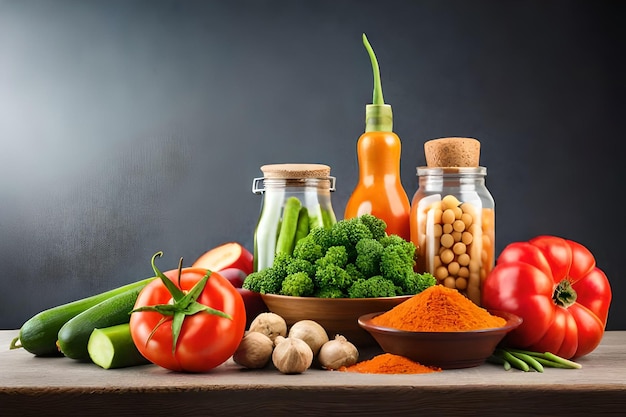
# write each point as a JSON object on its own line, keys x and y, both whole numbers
{"x": 314, "y": 195}
{"x": 453, "y": 227}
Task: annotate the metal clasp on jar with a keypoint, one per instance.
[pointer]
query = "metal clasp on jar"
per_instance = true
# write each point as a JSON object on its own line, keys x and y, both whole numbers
{"x": 258, "y": 184}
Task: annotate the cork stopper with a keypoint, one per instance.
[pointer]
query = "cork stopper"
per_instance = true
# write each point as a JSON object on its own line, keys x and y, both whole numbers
{"x": 288, "y": 171}
{"x": 452, "y": 152}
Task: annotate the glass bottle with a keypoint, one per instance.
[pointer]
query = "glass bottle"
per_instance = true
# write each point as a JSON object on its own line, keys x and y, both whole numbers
{"x": 453, "y": 227}
{"x": 296, "y": 198}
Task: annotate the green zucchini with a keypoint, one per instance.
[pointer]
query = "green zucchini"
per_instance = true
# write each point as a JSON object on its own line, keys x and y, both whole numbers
{"x": 73, "y": 337}
{"x": 38, "y": 335}
{"x": 113, "y": 347}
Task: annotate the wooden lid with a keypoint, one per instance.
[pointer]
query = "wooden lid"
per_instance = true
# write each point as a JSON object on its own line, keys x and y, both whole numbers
{"x": 452, "y": 152}
{"x": 296, "y": 171}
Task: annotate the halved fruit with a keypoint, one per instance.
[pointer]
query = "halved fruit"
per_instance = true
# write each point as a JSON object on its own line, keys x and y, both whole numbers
{"x": 227, "y": 255}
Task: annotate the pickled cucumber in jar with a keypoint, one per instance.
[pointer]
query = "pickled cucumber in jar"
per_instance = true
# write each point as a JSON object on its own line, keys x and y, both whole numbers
{"x": 296, "y": 199}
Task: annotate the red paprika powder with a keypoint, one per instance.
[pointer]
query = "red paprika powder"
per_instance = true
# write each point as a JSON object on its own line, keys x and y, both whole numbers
{"x": 388, "y": 363}
{"x": 438, "y": 309}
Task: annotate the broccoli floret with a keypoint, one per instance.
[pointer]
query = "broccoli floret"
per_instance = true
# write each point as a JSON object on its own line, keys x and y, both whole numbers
{"x": 357, "y": 230}
{"x": 322, "y": 237}
{"x": 397, "y": 262}
{"x": 348, "y": 233}
{"x": 300, "y": 265}
{"x": 368, "y": 256}
{"x": 332, "y": 275}
{"x": 339, "y": 234}
{"x": 281, "y": 261}
{"x": 307, "y": 249}
{"x": 377, "y": 226}
{"x": 329, "y": 270}
{"x": 354, "y": 272}
{"x": 391, "y": 240}
{"x": 269, "y": 280}
{"x": 297, "y": 285}
{"x": 265, "y": 281}
{"x": 329, "y": 292}
{"x": 415, "y": 283}
{"x": 376, "y": 286}
{"x": 254, "y": 281}
{"x": 335, "y": 255}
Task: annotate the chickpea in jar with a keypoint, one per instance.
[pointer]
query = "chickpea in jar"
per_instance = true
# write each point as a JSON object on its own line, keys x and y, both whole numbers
{"x": 455, "y": 242}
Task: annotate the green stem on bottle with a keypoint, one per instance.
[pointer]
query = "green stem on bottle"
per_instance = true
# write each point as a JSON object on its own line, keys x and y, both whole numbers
{"x": 378, "y": 88}
{"x": 378, "y": 115}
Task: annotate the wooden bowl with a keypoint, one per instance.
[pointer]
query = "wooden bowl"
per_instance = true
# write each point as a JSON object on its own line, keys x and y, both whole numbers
{"x": 336, "y": 315}
{"x": 447, "y": 350}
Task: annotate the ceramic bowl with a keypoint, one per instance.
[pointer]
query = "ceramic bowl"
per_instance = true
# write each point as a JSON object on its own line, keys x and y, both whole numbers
{"x": 446, "y": 350}
{"x": 336, "y": 315}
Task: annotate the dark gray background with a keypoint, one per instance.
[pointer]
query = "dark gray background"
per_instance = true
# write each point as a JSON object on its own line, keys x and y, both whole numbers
{"x": 130, "y": 127}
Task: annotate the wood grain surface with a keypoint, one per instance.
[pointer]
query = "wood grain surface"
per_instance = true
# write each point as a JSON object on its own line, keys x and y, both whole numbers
{"x": 59, "y": 386}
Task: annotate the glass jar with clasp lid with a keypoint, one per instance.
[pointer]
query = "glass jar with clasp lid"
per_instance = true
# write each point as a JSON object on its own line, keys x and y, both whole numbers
{"x": 296, "y": 199}
{"x": 453, "y": 227}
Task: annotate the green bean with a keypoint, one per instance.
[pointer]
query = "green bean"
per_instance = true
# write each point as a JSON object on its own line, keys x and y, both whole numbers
{"x": 551, "y": 364}
{"x": 515, "y": 361}
{"x": 499, "y": 360}
{"x": 529, "y": 359}
{"x": 527, "y": 352}
{"x": 558, "y": 359}
{"x": 537, "y": 360}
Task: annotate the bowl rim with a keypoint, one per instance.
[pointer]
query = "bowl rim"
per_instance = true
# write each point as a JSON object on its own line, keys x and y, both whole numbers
{"x": 345, "y": 299}
{"x": 512, "y": 321}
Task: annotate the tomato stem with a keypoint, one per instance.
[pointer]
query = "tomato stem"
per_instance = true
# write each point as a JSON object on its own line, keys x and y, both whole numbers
{"x": 564, "y": 294}
{"x": 184, "y": 303}
{"x": 180, "y": 270}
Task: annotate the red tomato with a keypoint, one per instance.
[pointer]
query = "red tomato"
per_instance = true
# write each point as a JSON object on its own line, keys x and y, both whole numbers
{"x": 206, "y": 340}
{"x": 554, "y": 285}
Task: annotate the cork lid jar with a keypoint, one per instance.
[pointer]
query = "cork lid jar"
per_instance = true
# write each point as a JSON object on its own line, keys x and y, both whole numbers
{"x": 453, "y": 216}
{"x": 296, "y": 199}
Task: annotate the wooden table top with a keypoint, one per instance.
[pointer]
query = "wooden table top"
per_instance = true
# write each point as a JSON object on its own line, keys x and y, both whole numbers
{"x": 60, "y": 386}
